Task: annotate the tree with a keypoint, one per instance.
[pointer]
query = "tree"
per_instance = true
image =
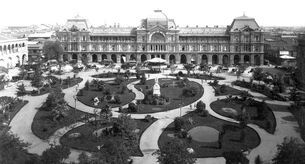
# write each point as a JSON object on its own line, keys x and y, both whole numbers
{"x": 21, "y": 90}
{"x": 113, "y": 152}
{"x": 174, "y": 152}
{"x": 37, "y": 79}
{"x": 258, "y": 74}
{"x": 200, "y": 106}
{"x": 290, "y": 152}
{"x": 87, "y": 85}
{"x": 55, "y": 154}
{"x": 54, "y": 99}
{"x": 235, "y": 157}
{"x": 53, "y": 50}
{"x": 179, "y": 123}
{"x": 83, "y": 158}
{"x": 12, "y": 150}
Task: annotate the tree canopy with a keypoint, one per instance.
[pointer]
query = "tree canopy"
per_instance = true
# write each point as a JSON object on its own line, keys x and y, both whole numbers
{"x": 173, "y": 152}
{"x": 290, "y": 152}
{"x": 52, "y": 50}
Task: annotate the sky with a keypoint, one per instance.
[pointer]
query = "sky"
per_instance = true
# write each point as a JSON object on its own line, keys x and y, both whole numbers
{"x": 130, "y": 12}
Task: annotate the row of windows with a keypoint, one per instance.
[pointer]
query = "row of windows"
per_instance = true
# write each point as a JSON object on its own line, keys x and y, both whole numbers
{"x": 247, "y": 38}
{"x": 247, "y": 48}
{"x": 11, "y": 47}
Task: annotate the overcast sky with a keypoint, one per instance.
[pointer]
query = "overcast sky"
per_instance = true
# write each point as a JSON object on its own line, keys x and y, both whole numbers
{"x": 130, "y": 12}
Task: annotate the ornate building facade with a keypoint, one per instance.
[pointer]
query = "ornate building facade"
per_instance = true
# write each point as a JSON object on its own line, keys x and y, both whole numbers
{"x": 13, "y": 52}
{"x": 158, "y": 36}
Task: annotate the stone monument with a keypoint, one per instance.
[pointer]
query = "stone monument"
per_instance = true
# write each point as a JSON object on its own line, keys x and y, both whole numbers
{"x": 156, "y": 88}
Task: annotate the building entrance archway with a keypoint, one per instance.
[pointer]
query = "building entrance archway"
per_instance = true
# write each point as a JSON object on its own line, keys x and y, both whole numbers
{"x": 236, "y": 59}
{"x": 183, "y": 59}
{"x": 204, "y": 59}
{"x": 225, "y": 60}
{"x": 143, "y": 58}
{"x": 214, "y": 59}
{"x": 113, "y": 58}
{"x": 94, "y": 58}
{"x": 172, "y": 59}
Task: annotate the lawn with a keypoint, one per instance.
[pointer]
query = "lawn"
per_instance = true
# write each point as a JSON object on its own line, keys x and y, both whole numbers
{"x": 43, "y": 125}
{"x": 87, "y": 97}
{"x": 170, "y": 91}
{"x": 89, "y": 142}
{"x": 266, "y": 122}
{"x": 230, "y": 139}
{"x": 223, "y": 90}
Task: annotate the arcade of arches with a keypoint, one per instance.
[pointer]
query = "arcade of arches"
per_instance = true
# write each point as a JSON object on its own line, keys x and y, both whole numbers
{"x": 222, "y": 59}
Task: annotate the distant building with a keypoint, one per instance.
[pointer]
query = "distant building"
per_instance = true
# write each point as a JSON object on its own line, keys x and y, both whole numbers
{"x": 159, "y": 36}
{"x": 13, "y": 52}
{"x": 301, "y": 60}
{"x": 35, "y": 45}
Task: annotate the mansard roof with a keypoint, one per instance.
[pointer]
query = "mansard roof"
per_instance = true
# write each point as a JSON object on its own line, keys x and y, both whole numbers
{"x": 113, "y": 31}
{"x": 202, "y": 31}
{"x": 241, "y": 22}
{"x": 76, "y": 23}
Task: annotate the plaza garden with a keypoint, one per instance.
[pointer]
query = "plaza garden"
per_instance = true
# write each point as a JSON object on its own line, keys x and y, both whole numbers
{"x": 119, "y": 120}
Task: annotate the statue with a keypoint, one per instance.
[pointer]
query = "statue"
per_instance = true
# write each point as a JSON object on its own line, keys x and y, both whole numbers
{"x": 156, "y": 88}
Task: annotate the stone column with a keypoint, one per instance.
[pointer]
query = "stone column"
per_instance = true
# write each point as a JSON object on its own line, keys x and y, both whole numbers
{"x": 118, "y": 58}
{"x": 89, "y": 47}
{"x": 89, "y": 57}
{"x": 199, "y": 58}
{"x": 167, "y": 58}
{"x": 127, "y": 57}
{"x": 231, "y": 59}
{"x": 220, "y": 57}
{"x": 252, "y": 59}
{"x": 109, "y": 56}
{"x": 69, "y": 47}
{"x": 210, "y": 59}
{"x": 188, "y": 58}
{"x": 178, "y": 58}
{"x": 262, "y": 59}
{"x": 242, "y": 61}
{"x": 79, "y": 58}
{"x": 69, "y": 57}
{"x": 79, "y": 47}
{"x": 99, "y": 57}
{"x": 148, "y": 56}
{"x": 139, "y": 58}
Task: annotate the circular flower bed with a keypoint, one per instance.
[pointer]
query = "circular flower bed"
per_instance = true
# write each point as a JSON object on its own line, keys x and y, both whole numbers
{"x": 204, "y": 134}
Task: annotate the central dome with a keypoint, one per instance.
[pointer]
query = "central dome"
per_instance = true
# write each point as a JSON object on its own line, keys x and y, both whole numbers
{"x": 157, "y": 15}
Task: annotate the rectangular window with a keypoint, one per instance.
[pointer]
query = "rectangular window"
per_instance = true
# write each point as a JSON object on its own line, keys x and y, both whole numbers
{"x": 84, "y": 38}
{"x": 236, "y": 49}
{"x": 257, "y": 39}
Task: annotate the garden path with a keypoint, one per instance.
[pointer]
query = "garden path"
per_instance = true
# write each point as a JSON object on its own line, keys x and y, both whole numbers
{"x": 21, "y": 124}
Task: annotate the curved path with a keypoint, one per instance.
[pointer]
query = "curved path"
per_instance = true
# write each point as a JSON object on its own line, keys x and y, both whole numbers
{"x": 21, "y": 123}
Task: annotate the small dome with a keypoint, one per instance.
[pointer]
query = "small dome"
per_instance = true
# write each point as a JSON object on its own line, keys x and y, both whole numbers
{"x": 157, "y": 15}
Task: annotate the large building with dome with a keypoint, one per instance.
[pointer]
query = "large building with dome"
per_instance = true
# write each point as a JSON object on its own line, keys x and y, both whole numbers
{"x": 159, "y": 36}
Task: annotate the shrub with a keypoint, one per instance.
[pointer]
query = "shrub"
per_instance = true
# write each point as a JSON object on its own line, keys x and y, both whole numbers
{"x": 117, "y": 99}
{"x": 107, "y": 91}
{"x": 87, "y": 85}
{"x": 223, "y": 88}
{"x": 204, "y": 113}
{"x": 143, "y": 79}
{"x": 118, "y": 80}
{"x": 200, "y": 106}
{"x": 148, "y": 118}
{"x": 189, "y": 92}
{"x": 180, "y": 73}
{"x": 132, "y": 107}
{"x": 179, "y": 123}
{"x": 80, "y": 93}
{"x": 21, "y": 90}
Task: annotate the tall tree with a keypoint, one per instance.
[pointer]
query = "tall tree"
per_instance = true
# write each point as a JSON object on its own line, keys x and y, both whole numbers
{"x": 173, "y": 152}
{"x": 55, "y": 154}
{"x": 12, "y": 150}
{"x": 290, "y": 152}
{"x": 53, "y": 50}
{"x": 258, "y": 74}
